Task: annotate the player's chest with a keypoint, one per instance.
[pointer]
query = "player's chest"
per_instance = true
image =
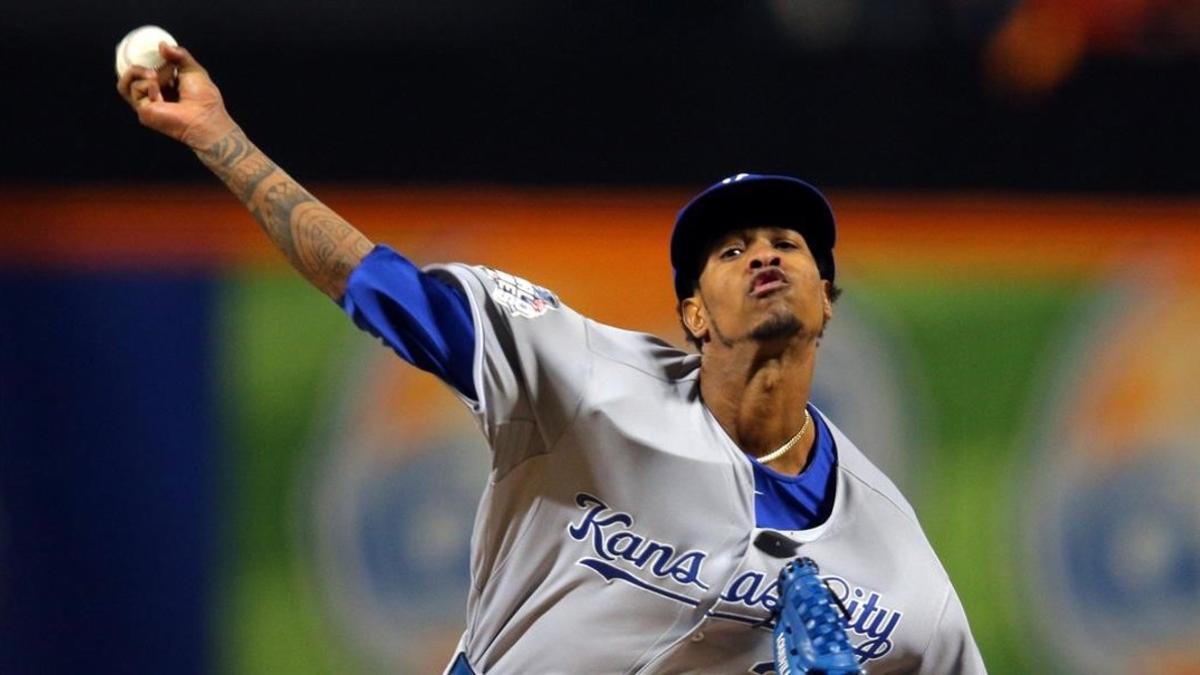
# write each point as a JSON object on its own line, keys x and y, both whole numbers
{"x": 682, "y": 546}
{"x": 888, "y": 611}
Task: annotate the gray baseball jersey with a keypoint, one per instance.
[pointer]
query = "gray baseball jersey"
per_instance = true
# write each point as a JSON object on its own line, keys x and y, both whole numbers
{"x": 615, "y": 532}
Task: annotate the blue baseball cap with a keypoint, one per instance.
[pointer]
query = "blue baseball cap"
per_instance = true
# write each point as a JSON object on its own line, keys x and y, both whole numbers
{"x": 750, "y": 200}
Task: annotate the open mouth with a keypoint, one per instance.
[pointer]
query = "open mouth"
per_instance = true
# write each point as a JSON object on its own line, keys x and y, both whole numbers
{"x": 766, "y": 281}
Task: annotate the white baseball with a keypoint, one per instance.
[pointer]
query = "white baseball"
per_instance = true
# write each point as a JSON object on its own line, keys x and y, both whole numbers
{"x": 140, "y": 48}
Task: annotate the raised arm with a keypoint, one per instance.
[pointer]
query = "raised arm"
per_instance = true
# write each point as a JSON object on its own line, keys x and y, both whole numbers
{"x": 318, "y": 242}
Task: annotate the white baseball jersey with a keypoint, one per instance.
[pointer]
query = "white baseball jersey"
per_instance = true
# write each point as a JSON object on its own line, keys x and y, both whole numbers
{"x": 615, "y": 533}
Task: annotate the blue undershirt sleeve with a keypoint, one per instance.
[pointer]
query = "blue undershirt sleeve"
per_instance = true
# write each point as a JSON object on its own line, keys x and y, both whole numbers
{"x": 426, "y": 320}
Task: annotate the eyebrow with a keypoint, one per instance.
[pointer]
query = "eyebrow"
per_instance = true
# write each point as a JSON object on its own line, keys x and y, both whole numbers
{"x": 742, "y": 233}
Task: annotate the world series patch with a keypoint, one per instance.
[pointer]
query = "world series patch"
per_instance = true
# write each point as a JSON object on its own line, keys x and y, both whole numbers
{"x": 520, "y": 297}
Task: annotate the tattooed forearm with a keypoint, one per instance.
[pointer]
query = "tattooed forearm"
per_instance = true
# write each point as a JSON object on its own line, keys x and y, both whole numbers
{"x": 275, "y": 214}
{"x": 317, "y": 241}
{"x": 247, "y": 176}
{"x": 238, "y": 163}
{"x": 228, "y": 151}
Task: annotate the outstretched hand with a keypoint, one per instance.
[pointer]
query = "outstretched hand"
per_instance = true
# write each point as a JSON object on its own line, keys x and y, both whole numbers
{"x": 197, "y": 118}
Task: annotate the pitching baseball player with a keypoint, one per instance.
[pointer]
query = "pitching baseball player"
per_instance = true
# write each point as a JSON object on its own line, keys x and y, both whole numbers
{"x": 621, "y": 530}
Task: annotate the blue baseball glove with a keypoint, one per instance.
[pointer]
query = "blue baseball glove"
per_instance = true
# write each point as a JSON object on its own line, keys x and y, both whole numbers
{"x": 810, "y": 627}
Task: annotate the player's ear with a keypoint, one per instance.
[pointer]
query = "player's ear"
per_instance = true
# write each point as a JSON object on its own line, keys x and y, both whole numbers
{"x": 827, "y": 298}
{"x": 694, "y": 318}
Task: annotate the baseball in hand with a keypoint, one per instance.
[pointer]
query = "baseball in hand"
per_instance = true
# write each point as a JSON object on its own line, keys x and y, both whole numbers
{"x": 140, "y": 48}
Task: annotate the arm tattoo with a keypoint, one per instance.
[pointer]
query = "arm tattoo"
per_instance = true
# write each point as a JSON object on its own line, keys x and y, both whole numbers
{"x": 228, "y": 151}
{"x": 317, "y": 241}
{"x": 249, "y": 174}
{"x": 238, "y": 163}
{"x": 278, "y": 205}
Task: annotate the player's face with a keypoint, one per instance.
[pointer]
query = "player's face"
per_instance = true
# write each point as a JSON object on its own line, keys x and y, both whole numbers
{"x": 760, "y": 284}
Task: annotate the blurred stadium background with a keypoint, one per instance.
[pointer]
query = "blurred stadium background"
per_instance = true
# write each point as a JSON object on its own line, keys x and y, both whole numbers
{"x": 204, "y": 468}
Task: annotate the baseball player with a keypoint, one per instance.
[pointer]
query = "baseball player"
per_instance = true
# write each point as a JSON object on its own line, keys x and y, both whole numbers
{"x": 630, "y": 480}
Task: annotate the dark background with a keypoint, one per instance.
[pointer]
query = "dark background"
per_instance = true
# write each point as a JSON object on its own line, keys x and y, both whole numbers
{"x": 571, "y": 92}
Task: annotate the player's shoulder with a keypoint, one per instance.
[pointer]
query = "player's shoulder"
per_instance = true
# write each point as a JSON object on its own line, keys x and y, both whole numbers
{"x": 883, "y": 509}
{"x": 509, "y": 293}
{"x": 640, "y": 352}
{"x": 616, "y": 348}
{"x": 855, "y": 465}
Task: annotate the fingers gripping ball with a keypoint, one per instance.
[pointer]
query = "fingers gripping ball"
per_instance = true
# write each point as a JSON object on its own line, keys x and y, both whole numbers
{"x": 810, "y": 628}
{"x": 140, "y": 48}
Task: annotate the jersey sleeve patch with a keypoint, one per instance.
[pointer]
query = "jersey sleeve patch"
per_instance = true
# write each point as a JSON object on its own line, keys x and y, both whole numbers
{"x": 519, "y": 297}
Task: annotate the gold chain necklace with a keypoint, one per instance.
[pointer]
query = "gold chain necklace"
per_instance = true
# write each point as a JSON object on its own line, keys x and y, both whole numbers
{"x": 787, "y": 446}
